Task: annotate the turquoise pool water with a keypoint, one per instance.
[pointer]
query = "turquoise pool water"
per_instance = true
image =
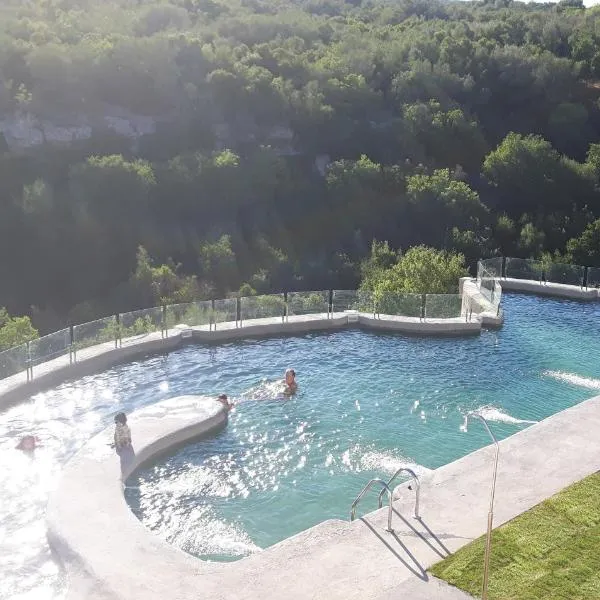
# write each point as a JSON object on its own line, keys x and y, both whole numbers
{"x": 366, "y": 404}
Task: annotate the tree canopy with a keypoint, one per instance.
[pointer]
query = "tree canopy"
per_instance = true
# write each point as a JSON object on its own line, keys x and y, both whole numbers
{"x": 264, "y": 144}
{"x": 421, "y": 270}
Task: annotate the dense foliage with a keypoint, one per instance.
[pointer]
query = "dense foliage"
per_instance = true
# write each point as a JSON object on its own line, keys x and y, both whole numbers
{"x": 420, "y": 270}
{"x": 465, "y": 126}
{"x": 15, "y": 330}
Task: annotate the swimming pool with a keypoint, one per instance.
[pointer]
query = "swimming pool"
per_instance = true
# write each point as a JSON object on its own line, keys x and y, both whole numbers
{"x": 367, "y": 403}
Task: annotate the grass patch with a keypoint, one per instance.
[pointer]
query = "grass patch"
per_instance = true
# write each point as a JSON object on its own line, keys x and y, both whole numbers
{"x": 552, "y": 551}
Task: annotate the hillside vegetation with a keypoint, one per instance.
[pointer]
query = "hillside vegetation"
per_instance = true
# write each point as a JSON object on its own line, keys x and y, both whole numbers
{"x": 465, "y": 126}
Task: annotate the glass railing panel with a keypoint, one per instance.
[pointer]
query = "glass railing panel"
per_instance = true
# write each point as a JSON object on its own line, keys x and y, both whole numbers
{"x": 95, "y": 332}
{"x": 593, "y": 277}
{"x": 193, "y": 314}
{"x": 359, "y": 300}
{"x": 50, "y": 346}
{"x": 520, "y": 268}
{"x": 139, "y": 323}
{"x": 225, "y": 311}
{"x": 306, "y": 303}
{"x": 493, "y": 266}
{"x": 262, "y": 307}
{"x": 443, "y": 306}
{"x": 564, "y": 273}
{"x": 405, "y": 305}
{"x": 13, "y": 361}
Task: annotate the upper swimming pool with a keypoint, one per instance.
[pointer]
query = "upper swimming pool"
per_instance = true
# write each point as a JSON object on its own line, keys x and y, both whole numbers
{"x": 366, "y": 404}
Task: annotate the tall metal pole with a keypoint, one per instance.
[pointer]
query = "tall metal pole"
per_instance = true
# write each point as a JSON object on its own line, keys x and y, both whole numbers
{"x": 490, "y": 520}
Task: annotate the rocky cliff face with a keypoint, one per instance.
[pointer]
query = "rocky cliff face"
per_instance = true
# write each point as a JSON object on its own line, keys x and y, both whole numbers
{"x": 25, "y": 130}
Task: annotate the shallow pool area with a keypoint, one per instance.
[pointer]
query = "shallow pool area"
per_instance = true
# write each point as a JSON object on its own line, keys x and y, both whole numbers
{"x": 366, "y": 404}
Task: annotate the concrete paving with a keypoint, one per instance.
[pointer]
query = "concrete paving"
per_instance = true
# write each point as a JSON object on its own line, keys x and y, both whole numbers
{"x": 109, "y": 555}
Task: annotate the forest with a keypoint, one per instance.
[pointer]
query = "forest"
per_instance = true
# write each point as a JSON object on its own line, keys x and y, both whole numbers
{"x": 290, "y": 139}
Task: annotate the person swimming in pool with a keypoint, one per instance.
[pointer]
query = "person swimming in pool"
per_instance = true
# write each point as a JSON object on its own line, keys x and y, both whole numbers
{"x": 28, "y": 443}
{"x": 290, "y": 382}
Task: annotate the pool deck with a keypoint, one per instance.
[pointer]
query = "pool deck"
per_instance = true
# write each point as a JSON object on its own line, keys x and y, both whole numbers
{"x": 109, "y": 555}
{"x": 556, "y": 290}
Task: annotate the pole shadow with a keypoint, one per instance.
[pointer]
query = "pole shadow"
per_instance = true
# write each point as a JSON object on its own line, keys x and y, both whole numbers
{"x": 417, "y": 569}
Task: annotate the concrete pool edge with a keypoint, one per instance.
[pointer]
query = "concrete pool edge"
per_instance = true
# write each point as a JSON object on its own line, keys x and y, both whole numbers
{"x": 555, "y": 290}
{"x": 109, "y": 554}
{"x": 91, "y": 488}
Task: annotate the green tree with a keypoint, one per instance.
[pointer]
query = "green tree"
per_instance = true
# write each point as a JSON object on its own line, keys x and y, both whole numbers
{"x": 218, "y": 264}
{"x": 421, "y": 270}
{"x": 531, "y": 240}
{"x": 585, "y": 249}
{"x": 524, "y": 170}
{"x": 441, "y": 203}
{"x": 15, "y": 331}
{"x": 381, "y": 259}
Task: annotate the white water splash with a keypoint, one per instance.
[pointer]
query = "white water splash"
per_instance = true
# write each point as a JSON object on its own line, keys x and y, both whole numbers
{"x": 491, "y": 413}
{"x": 266, "y": 390}
{"x": 206, "y": 535}
{"x": 586, "y": 382}
{"x": 384, "y": 462}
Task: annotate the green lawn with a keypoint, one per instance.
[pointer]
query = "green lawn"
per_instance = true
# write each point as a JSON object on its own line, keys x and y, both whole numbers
{"x": 549, "y": 552}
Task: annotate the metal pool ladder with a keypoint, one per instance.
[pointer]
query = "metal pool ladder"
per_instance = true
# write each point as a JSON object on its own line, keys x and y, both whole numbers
{"x": 416, "y": 483}
{"x": 386, "y": 487}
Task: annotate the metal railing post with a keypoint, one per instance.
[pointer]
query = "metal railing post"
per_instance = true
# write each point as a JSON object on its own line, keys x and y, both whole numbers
{"x": 240, "y": 306}
{"x": 330, "y": 305}
{"x": 285, "y": 317}
{"x": 164, "y": 332}
{"x": 503, "y": 271}
{"x": 585, "y": 277}
{"x": 423, "y": 301}
{"x": 72, "y": 345}
{"x": 490, "y": 520}
{"x": 28, "y": 361}
{"x": 118, "y": 340}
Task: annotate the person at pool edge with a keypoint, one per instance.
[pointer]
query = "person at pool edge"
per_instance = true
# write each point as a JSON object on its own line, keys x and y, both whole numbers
{"x": 123, "y": 445}
{"x": 225, "y": 401}
{"x": 122, "y": 433}
{"x": 290, "y": 382}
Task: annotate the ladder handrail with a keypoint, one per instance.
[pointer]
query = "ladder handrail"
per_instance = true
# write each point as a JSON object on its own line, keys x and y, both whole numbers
{"x": 417, "y": 487}
{"x": 385, "y": 487}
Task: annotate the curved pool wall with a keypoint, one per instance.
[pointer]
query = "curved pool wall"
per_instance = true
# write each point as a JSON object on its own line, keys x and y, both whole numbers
{"x": 90, "y": 528}
{"x": 109, "y": 555}
{"x": 96, "y": 358}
